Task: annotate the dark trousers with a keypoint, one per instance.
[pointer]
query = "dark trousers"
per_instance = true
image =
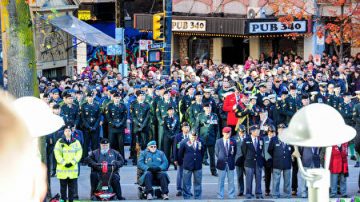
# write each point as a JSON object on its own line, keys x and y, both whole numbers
{"x": 168, "y": 143}
{"x": 294, "y": 177}
{"x": 67, "y": 189}
{"x": 50, "y": 159}
{"x": 151, "y": 178}
{"x": 115, "y": 183}
{"x": 116, "y": 138}
{"x": 91, "y": 138}
{"x": 211, "y": 152}
{"x": 142, "y": 138}
{"x": 268, "y": 170}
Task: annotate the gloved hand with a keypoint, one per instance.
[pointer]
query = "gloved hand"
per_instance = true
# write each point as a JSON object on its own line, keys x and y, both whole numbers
{"x": 151, "y": 169}
{"x": 157, "y": 169}
{"x": 68, "y": 165}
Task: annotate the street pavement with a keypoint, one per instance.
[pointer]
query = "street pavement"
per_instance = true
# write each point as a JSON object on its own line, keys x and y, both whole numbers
{"x": 209, "y": 184}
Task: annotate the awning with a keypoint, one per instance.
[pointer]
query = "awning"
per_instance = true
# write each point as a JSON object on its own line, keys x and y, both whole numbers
{"x": 82, "y": 31}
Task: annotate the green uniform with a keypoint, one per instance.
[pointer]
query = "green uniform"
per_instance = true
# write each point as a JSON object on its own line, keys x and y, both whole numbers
{"x": 70, "y": 114}
{"x": 150, "y": 100}
{"x": 161, "y": 113}
{"x": 185, "y": 103}
{"x": 194, "y": 110}
{"x": 140, "y": 113}
{"x": 116, "y": 115}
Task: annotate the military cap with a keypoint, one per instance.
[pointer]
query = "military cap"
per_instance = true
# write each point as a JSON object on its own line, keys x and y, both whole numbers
{"x": 149, "y": 85}
{"x": 337, "y": 73}
{"x": 185, "y": 124}
{"x": 104, "y": 141}
{"x": 198, "y": 93}
{"x": 151, "y": 143}
{"x": 292, "y": 87}
{"x": 166, "y": 92}
{"x": 304, "y": 96}
{"x": 248, "y": 79}
{"x": 226, "y": 129}
{"x": 67, "y": 126}
{"x": 253, "y": 127}
{"x": 322, "y": 84}
{"x": 55, "y": 91}
{"x": 206, "y": 105}
{"x": 282, "y": 125}
{"x": 300, "y": 79}
{"x": 116, "y": 94}
{"x": 357, "y": 92}
{"x": 90, "y": 94}
{"x": 314, "y": 93}
{"x": 271, "y": 128}
{"x": 207, "y": 90}
{"x": 67, "y": 95}
{"x": 113, "y": 91}
{"x": 160, "y": 88}
{"x": 265, "y": 98}
{"x": 262, "y": 85}
{"x": 242, "y": 128}
{"x": 56, "y": 106}
{"x": 272, "y": 96}
{"x": 79, "y": 92}
{"x": 140, "y": 92}
{"x": 347, "y": 94}
{"x": 252, "y": 97}
{"x": 170, "y": 108}
{"x": 285, "y": 92}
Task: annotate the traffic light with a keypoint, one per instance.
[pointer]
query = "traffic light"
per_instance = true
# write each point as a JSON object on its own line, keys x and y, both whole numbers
{"x": 158, "y": 26}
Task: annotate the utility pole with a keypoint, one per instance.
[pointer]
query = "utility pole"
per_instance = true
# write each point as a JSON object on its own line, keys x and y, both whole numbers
{"x": 120, "y": 23}
{"x": 168, "y": 34}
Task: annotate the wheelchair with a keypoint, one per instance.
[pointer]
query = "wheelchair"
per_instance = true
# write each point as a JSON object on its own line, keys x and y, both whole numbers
{"x": 141, "y": 188}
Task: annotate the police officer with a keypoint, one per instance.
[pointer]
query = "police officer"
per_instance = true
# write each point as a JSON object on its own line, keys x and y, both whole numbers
{"x": 95, "y": 161}
{"x": 116, "y": 115}
{"x": 254, "y": 161}
{"x": 281, "y": 157}
{"x": 239, "y": 159}
{"x": 153, "y": 163}
{"x": 140, "y": 112}
{"x": 161, "y": 113}
{"x": 195, "y": 109}
{"x": 69, "y": 111}
{"x": 91, "y": 117}
{"x": 68, "y": 153}
{"x": 171, "y": 128}
{"x": 268, "y": 163}
{"x": 207, "y": 126}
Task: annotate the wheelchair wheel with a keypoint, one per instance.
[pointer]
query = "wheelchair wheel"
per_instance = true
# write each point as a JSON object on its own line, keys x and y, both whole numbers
{"x": 141, "y": 195}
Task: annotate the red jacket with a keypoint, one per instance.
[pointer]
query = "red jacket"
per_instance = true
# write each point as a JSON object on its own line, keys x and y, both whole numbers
{"x": 229, "y": 103}
{"x": 338, "y": 160}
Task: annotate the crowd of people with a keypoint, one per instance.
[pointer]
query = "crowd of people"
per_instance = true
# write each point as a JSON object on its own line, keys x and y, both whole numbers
{"x": 227, "y": 117}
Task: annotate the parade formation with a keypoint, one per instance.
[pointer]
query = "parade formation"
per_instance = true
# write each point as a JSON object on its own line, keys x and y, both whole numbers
{"x": 227, "y": 117}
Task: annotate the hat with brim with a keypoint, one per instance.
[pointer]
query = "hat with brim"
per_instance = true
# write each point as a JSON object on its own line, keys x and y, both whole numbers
{"x": 151, "y": 143}
{"x": 317, "y": 125}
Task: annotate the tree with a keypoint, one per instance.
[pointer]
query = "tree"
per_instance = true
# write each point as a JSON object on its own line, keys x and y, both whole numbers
{"x": 339, "y": 19}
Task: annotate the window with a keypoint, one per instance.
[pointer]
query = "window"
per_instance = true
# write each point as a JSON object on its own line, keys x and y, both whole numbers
{"x": 199, "y": 47}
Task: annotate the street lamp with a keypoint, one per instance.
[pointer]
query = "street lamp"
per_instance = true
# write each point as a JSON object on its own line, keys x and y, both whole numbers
{"x": 317, "y": 125}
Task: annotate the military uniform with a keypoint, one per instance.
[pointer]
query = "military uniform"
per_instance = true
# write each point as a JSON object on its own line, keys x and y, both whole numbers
{"x": 207, "y": 128}
{"x": 193, "y": 112}
{"x": 116, "y": 115}
{"x": 335, "y": 101}
{"x": 161, "y": 113}
{"x": 140, "y": 113}
{"x": 282, "y": 113}
{"x": 171, "y": 128}
{"x": 185, "y": 103}
{"x": 292, "y": 104}
{"x": 346, "y": 110}
{"x": 70, "y": 114}
{"x": 91, "y": 116}
{"x": 150, "y": 100}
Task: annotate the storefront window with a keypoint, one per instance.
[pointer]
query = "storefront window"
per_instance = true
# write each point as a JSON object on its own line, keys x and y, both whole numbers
{"x": 199, "y": 47}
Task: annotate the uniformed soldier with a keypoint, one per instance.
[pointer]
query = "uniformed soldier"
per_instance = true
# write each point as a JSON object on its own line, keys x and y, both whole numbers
{"x": 91, "y": 117}
{"x": 254, "y": 116}
{"x": 356, "y": 119}
{"x": 69, "y": 111}
{"x": 171, "y": 128}
{"x": 161, "y": 113}
{"x": 79, "y": 98}
{"x": 334, "y": 99}
{"x": 268, "y": 163}
{"x": 281, "y": 107}
{"x": 116, "y": 115}
{"x": 292, "y": 103}
{"x": 262, "y": 93}
{"x": 322, "y": 96}
{"x": 140, "y": 112}
{"x": 56, "y": 96}
{"x": 281, "y": 157}
{"x": 239, "y": 159}
{"x": 150, "y": 98}
{"x": 252, "y": 149}
{"x": 185, "y": 103}
{"x": 195, "y": 109}
{"x": 207, "y": 126}
{"x": 207, "y": 99}
{"x": 51, "y": 139}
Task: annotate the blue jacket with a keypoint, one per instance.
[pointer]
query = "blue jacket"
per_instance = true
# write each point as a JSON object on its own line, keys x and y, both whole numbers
{"x": 252, "y": 157}
{"x": 309, "y": 157}
{"x": 224, "y": 157}
{"x": 281, "y": 155}
{"x": 176, "y": 146}
{"x": 191, "y": 159}
{"x": 148, "y": 159}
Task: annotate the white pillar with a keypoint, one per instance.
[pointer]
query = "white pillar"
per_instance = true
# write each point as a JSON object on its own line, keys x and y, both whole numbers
{"x": 81, "y": 56}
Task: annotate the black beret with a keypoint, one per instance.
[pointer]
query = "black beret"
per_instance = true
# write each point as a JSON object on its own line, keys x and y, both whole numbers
{"x": 116, "y": 94}
{"x": 104, "y": 141}
{"x": 253, "y": 127}
{"x": 198, "y": 93}
{"x": 305, "y": 96}
{"x": 56, "y": 106}
{"x": 170, "y": 108}
{"x": 90, "y": 94}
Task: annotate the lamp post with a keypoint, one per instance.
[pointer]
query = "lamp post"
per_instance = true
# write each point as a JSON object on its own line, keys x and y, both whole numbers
{"x": 317, "y": 125}
{"x": 168, "y": 34}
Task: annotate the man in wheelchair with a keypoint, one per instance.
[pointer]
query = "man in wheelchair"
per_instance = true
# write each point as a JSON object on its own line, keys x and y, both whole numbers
{"x": 153, "y": 164}
{"x": 113, "y": 161}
